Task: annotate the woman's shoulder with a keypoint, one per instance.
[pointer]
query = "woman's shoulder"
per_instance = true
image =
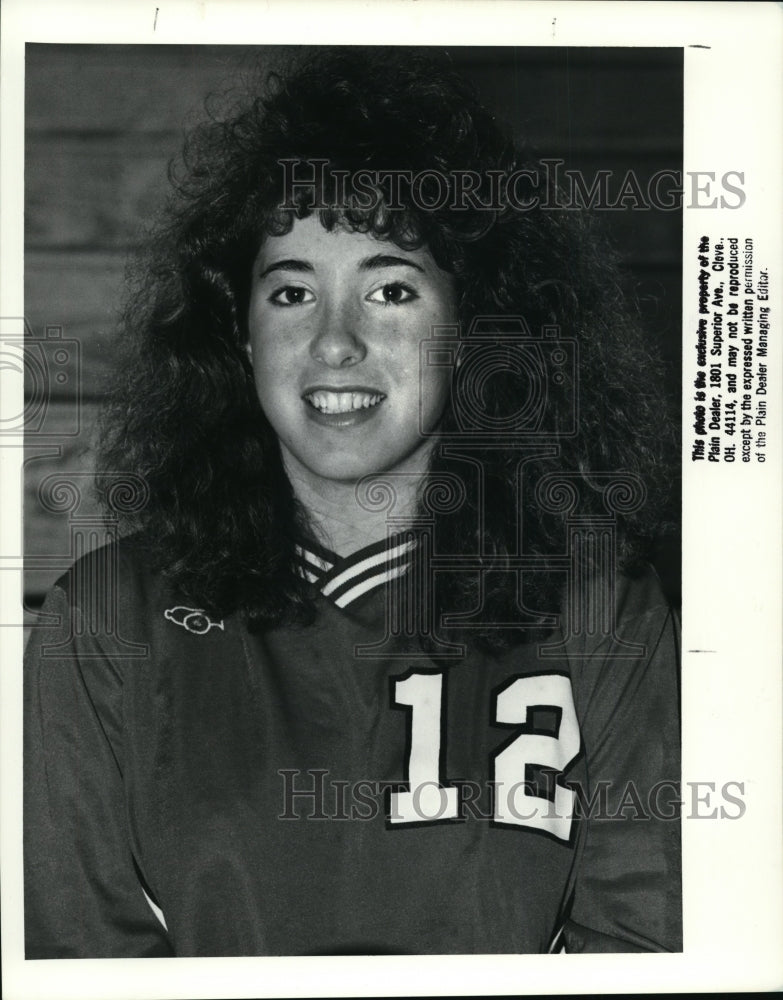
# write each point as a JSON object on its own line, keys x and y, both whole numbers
{"x": 117, "y": 597}
{"x": 616, "y": 616}
{"x": 122, "y": 567}
{"x": 640, "y": 591}
{"x": 116, "y": 588}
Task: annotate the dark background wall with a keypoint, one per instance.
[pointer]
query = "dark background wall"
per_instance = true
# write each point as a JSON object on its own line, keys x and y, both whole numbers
{"x": 102, "y": 122}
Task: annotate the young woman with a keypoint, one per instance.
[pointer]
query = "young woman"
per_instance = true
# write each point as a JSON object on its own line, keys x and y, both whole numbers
{"x": 377, "y": 665}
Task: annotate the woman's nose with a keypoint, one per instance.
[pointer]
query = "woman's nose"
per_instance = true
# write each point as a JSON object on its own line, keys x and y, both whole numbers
{"x": 337, "y": 342}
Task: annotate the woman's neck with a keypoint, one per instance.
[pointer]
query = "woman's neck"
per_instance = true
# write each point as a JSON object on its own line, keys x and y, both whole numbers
{"x": 346, "y": 517}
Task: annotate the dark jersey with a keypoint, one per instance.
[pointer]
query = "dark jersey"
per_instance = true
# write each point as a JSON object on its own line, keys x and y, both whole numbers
{"x": 195, "y": 789}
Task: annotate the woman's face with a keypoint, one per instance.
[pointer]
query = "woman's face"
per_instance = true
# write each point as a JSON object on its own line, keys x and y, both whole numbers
{"x": 336, "y": 320}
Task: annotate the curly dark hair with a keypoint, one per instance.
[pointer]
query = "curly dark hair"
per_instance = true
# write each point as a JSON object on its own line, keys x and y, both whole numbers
{"x": 222, "y": 519}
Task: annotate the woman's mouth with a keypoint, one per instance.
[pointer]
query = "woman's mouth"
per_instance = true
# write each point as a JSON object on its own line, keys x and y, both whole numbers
{"x": 344, "y": 408}
{"x": 329, "y": 402}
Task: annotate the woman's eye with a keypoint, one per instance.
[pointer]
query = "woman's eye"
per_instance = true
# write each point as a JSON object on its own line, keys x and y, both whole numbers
{"x": 393, "y": 294}
{"x": 291, "y": 295}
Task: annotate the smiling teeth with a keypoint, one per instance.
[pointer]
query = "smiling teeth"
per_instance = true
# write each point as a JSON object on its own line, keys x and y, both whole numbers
{"x": 343, "y": 402}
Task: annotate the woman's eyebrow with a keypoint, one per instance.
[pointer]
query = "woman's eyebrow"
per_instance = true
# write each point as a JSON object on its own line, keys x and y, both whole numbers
{"x": 375, "y": 263}
{"x": 292, "y": 264}
{"x": 381, "y": 260}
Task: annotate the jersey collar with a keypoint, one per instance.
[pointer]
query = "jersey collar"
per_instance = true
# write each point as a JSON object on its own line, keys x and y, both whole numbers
{"x": 345, "y": 580}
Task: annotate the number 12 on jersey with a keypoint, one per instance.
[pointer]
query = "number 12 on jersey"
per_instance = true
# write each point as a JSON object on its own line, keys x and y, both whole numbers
{"x": 549, "y": 747}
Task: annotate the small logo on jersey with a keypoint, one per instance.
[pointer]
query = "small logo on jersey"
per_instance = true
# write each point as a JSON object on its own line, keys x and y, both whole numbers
{"x": 195, "y": 620}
